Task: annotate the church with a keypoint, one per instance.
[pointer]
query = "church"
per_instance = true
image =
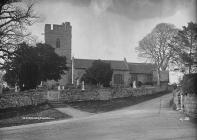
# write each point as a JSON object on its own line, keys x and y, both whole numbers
{"x": 60, "y": 37}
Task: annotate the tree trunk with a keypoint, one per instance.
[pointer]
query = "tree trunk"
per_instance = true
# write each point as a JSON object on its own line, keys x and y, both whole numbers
{"x": 158, "y": 77}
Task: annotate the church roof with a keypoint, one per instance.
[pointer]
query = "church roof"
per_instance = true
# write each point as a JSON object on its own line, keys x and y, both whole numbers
{"x": 143, "y": 68}
{"x": 86, "y": 63}
{"x": 140, "y": 68}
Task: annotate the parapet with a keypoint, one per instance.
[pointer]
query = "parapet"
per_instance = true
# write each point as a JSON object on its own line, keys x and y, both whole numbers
{"x": 47, "y": 27}
{"x": 58, "y": 28}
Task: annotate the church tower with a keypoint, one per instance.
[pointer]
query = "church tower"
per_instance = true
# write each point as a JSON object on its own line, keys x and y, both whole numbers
{"x": 59, "y": 37}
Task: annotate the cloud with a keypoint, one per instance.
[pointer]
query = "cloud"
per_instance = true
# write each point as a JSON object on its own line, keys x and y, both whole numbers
{"x": 133, "y": 9}
{"x": 100, "y": 6}
{"x": 138, "y": 9}
{"x": 111, "y": 29}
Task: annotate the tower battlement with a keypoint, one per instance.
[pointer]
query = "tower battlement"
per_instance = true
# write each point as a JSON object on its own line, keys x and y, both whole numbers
{"x": 59, "y": 37}
{"x": 65, "y": 26}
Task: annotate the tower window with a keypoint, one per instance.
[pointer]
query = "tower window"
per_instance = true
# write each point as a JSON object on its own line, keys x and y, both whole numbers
{"x": 58, "y": 43}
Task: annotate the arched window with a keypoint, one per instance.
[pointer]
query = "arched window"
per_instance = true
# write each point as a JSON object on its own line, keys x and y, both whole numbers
{"x": 58, "y": 43}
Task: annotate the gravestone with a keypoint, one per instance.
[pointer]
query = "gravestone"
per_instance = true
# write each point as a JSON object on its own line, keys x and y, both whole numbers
{"x": 83, "y": 86}
{"x": 59, "y": 88}
{"x": 134, "y": 84}
{"x": 77, "y": 83}
{"x": 16, "y": 88}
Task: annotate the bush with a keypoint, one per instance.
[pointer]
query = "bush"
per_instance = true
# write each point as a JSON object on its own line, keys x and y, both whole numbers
{"x": 189, "y": 83}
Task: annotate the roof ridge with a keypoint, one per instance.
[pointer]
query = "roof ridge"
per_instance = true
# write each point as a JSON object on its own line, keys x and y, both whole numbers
{"x": 139, "y": 63}
{"x": 98, "y": 59}
{"x": 85, "y": 63}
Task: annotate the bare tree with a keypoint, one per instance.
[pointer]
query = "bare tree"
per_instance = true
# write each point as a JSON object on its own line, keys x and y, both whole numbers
{"x": 15, "y": 15}
{"x": 155, "y": 47}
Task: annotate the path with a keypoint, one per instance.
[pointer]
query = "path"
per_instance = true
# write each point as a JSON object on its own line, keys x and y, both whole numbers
{"x": 75, "y": 113}
{"x": 138, "y": 122}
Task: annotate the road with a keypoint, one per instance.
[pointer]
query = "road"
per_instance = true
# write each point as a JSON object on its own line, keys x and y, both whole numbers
{"x": 150, "y": 120}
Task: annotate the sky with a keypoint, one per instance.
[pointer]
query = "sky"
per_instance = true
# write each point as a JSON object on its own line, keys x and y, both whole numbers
{"x": 111, "y": 29}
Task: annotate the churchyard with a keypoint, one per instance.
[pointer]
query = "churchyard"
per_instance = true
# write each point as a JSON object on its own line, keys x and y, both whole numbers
{"x": 44, "y": 82}
{"x": 35, "y": 106}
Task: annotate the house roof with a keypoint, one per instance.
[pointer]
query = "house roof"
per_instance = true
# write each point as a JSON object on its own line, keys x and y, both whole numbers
{"x": 86, "y": 63}
{"x": 145, "y": 68}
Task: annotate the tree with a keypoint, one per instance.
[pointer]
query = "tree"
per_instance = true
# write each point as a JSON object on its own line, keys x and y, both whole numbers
{"x": 185, "y": 47}
{"x": 23, "y": 55}
{"x": 99, "y": 73}
{"x": 31, "y": 65}
{"x": 15, "y": 15}
{"x": 51, "y": 66}
{"x": 155, "y": 47}
{"x": 28, "y": 76}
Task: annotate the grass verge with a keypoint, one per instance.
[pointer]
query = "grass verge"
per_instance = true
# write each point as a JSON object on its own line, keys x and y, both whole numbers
{"x": 114, "y": 104}
{"x": 29, "y": 115}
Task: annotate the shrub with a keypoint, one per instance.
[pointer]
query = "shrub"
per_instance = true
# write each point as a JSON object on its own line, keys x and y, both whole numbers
{"x": 189, "y": 83}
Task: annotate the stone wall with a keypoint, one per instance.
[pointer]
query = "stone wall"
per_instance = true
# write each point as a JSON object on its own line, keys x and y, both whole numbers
{"x": 20, "y": 99}
{"x": 71, "y": 95}
{"x": 190, "y": 105}
{"x": 189, "y": 102}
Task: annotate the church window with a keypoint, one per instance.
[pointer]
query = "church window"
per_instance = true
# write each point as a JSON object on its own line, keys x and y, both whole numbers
{"x": 118, "y": 79}
{"x": 58, "y": 43}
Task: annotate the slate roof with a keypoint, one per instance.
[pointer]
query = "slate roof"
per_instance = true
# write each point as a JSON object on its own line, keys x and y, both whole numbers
{"x": 86, "y": 63}
{"x": 136, "y": 68}
{"x": 141, "y": 68}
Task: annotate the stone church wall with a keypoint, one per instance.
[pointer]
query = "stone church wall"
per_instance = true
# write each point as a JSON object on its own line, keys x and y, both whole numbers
{"x": 126, "y": 77}
{"x": 144, "y": 78}
{"x": 78, "y": 73}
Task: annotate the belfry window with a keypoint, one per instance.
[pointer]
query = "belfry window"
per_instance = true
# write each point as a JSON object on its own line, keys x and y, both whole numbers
{"x": 58, "y": 43}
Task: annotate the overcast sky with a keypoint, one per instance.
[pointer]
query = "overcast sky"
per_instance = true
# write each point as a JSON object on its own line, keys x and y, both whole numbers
{"x": 111, "y": 29}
